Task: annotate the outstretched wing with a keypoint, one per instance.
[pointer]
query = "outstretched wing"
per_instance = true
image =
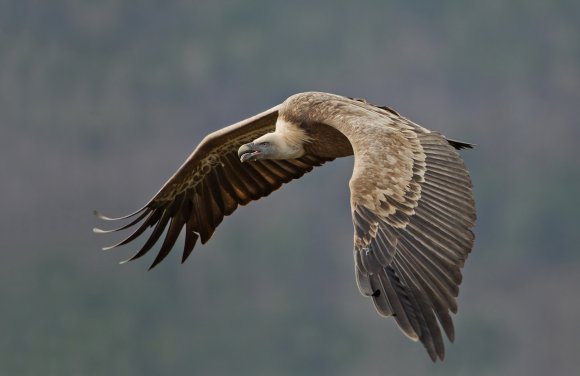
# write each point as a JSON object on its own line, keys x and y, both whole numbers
{"x": 210, "y": 184}
{"x": 413, "y": 210}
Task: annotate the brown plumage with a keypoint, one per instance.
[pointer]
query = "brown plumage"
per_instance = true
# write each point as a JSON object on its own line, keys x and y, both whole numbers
{"x": 411, "y": 199}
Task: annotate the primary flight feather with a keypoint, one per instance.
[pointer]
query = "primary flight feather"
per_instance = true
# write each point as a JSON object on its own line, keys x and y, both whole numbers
{"x": 411, "y": 199}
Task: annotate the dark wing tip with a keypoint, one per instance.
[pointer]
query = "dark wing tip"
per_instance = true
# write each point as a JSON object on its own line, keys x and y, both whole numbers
{"x": 459, "y": 145}
{"x": 152, "y": 266}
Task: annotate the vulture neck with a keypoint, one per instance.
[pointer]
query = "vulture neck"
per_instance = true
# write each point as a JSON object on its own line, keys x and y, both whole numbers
{"x": 288, "y": 140}
{"x": 291, "y": 134}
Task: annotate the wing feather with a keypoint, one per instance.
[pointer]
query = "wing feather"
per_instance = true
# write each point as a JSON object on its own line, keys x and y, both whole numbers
{"x": 445, "y": 272}
{"x": 398, "y": 300}
{"x": 245, "y": 189}
{"x": 380, "y": 299}
{"x": 175, "y": 226}
{"x": 229, "y": 196}
{"x": 430, "y": 274}
{"x": 216, "y": 190}
{"x": 281, "y": 174}
{"x": 130, "y": 224}
{"x": 427, "y": 284}
{"x": 430, "y": 333}
{"x": 191, "y": 234}
{"x": 289, "y": 168}
{"x": 155, "y": 235}
{"x": 149, "y": 221}
{"x": 103, "y": 217}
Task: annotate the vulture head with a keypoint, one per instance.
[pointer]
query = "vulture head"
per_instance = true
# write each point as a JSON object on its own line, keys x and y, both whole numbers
{"x": 260, "y": 149}
{"x": 287, "y": 142}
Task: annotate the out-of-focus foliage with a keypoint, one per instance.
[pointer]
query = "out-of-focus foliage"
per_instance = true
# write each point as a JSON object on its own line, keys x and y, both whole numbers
{"x": 101, "y": 101}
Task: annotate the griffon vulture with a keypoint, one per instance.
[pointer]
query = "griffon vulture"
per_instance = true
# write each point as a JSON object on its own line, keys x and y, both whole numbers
{"x": 411, "y": 199}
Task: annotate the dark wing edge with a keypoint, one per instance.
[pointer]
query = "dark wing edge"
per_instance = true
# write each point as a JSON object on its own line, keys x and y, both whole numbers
{"x": 460, "y": 145}
{"x": 210, "y": 184}
{"x": 410, "y": 262}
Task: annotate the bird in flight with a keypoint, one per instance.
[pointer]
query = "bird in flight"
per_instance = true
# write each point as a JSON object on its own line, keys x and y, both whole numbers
{"x": 411, "y": 199}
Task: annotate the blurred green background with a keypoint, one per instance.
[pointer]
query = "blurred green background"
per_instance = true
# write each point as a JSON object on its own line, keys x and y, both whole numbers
{"x": 100, "y": 101}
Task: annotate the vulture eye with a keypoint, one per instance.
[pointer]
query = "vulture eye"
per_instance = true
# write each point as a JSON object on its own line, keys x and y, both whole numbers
{"x": 264, "y": 143}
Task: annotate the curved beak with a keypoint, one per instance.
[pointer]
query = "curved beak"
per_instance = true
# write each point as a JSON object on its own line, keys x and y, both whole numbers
{"x": 248, "y": 152}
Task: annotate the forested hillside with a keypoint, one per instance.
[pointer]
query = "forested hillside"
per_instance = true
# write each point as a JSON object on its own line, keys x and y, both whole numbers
{"x": 101, "y": 101}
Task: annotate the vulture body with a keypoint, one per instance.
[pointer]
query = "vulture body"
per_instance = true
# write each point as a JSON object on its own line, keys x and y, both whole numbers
{"x": 411, "y": 199}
